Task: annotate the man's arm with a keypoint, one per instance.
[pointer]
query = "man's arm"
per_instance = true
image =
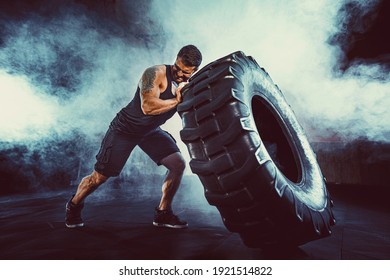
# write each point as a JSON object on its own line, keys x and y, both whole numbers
{"x": 150, "y": 83}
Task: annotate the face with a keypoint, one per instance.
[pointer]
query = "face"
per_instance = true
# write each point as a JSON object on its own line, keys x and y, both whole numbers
{"x": 180, "y": 72}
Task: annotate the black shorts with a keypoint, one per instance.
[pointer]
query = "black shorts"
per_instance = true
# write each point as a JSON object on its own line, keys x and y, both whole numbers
{"x": 116, "y": 148}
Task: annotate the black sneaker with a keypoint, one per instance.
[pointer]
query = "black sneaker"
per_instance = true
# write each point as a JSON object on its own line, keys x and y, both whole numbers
{"x": 166, "y": 218}
{"x": 73, "y": 214}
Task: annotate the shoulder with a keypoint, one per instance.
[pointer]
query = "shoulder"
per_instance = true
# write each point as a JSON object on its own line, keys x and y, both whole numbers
{"x": 155, "y": 72}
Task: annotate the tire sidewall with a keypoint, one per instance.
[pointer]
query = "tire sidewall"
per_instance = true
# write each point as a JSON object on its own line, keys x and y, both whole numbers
{"x": 310, "y": 189}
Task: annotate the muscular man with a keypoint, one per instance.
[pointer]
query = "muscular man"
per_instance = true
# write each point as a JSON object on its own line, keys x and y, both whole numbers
{"x": 155, "y": 101}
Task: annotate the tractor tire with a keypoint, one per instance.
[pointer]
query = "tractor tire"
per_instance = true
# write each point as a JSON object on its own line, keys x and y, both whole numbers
{"x": 252, "y": 156}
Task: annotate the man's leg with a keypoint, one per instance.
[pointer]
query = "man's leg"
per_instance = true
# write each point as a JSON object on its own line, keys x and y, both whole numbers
{"x": 111, "y": 158}
{"x": 161, "y": 147}
{"x": 164, "y": 216}
{"x": 175, "y": 165}
{"x": 88, "y": 185}
{"x": 74, "y": 206}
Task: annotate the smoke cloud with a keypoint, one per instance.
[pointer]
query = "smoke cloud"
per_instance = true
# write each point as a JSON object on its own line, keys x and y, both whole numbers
{"x": 291, "y": 40}
{"x": 361, "y": 38}
{"x": 67, "y": 67}
{"x": 74, "y": 74}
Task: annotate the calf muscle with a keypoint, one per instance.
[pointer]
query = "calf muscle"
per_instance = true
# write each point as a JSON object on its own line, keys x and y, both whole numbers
{"x": 88, "y": 185}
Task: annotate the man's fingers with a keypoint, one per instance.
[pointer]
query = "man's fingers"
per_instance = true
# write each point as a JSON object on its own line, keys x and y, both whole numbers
{"x": 178, "y": 95}
{"x": 181, "y": 85}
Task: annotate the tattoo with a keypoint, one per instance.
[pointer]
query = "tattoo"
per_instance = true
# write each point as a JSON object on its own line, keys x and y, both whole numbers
{"x": 148, "y": 79}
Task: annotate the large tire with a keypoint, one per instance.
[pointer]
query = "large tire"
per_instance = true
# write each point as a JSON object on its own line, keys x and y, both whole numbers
{"x": 252, "y": 156}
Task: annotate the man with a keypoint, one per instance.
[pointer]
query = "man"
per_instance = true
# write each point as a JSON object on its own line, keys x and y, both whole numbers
{"x": 155, "y": 101}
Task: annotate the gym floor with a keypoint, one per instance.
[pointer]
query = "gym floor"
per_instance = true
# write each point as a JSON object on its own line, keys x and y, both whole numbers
{"x": 119, "y": 226}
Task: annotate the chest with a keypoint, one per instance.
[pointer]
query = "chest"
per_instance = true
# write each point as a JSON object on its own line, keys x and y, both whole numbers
{"x": 168, "y": 91}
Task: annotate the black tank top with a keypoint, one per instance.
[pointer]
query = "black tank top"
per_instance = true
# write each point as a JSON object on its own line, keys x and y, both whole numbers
{"x": 131, "y": 119}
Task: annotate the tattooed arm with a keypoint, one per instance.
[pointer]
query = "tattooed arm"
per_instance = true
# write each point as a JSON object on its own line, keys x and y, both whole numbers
{"x": 151, "y": 85}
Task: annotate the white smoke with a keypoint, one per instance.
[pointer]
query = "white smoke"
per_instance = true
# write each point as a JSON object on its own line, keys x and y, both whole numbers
{"x": 289, "y": 39}
{"x": 63, "y": 78}
{"x": 100, "y": 91}
{"x": 24, "y": 112}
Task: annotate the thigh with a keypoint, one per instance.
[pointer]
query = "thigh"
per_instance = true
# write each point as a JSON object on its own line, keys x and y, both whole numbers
{"x": 114, "y": 152}
{"x": 158, "y": 144}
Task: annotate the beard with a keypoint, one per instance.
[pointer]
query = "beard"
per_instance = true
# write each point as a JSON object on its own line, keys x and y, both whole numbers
{"x": 176, "y": 77}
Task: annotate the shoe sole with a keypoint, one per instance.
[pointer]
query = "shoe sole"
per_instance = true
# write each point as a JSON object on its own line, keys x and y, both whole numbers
{"x": 74, "y": 225}
{"x": 170, "y": 226}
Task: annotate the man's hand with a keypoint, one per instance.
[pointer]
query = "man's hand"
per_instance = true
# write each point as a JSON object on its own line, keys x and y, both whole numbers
{"x": 178, "y": 92}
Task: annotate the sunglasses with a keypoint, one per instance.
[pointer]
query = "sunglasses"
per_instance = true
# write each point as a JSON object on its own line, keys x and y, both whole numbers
{"x": 181, "y": 70}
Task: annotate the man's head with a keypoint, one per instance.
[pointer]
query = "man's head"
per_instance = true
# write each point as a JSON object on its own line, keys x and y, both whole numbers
{"x": 187, "y": 62}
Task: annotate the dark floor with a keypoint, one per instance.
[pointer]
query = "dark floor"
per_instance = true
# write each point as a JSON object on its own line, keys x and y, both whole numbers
{"x": 119, "y": 227}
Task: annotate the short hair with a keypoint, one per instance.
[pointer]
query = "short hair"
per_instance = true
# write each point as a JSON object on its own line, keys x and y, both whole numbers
{"x": 190, "y": 55}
